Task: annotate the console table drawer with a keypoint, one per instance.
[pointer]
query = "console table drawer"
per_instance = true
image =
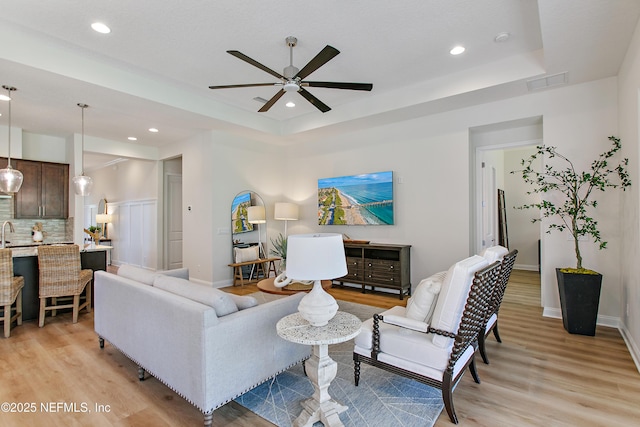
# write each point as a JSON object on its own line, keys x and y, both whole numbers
{"x": 354, "y": 268}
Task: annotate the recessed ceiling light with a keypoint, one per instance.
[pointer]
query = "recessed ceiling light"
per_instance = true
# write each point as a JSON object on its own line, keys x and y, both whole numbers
{"x": 132, "y": 138}
{"x": 154, "y": 130}
{"x": 5, "y": 98}
{"x": 290, "y": 104}
{"x": 100, "y": 27}
{"x": 457, "y": 50}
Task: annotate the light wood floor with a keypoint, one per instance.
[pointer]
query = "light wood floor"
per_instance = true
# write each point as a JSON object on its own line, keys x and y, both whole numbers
{"x": 539, "y": 376}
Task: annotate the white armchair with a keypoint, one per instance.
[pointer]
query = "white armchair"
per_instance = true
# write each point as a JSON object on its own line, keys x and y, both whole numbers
{"x": 435, "y": 350}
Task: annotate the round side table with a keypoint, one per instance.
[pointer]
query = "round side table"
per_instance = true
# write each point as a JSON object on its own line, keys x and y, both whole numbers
{"x": 320, "y": 368}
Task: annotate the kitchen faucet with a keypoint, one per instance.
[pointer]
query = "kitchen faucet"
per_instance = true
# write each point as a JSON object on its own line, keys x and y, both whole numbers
{"x": 11, "y": 229}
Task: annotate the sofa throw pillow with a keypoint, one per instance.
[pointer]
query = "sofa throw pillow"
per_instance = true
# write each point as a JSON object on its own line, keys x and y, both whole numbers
{"x": 423, "y": 301}
{"x": 244, "y": 301}
{"x": 221, "y": 302}
{"x": 138, "y": 274}
{"x": 182, "y": 273}
{"x": 251, "y": 253}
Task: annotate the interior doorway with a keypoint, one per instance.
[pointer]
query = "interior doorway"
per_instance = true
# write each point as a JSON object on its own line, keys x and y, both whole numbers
{"x": 172, "y": 257}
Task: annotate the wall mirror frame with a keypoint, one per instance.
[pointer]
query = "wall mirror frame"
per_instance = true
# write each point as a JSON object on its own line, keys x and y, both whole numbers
{"x": 244, "y": 233}
{"x": 102, "y": 209}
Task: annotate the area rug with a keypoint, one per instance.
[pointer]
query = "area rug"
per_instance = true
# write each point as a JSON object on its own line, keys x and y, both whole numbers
{"x": 382, "y": 399}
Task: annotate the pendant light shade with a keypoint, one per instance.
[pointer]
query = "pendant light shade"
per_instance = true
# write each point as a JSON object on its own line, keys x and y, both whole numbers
{"x": 82, "y": 183}
{"x": 10, "y": 178}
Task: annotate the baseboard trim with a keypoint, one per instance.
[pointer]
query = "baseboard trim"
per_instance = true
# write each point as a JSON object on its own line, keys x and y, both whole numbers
{"x": 526, "y": 267}
{"x": 631, "y": 345}
{"x": 609, "y": 321}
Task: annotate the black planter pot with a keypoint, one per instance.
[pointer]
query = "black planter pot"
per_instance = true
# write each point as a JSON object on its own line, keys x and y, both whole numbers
{"x": 579, "y": 299}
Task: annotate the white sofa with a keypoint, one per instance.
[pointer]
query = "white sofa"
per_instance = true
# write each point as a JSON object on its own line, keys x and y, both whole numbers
{"x": 203, "y": 355}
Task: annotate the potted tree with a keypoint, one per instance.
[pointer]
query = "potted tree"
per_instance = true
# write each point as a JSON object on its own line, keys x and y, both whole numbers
{"x": 579, "y": 288}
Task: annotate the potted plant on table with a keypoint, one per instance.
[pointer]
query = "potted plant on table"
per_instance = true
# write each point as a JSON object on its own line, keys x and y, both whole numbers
{"x": 579, "y": 287}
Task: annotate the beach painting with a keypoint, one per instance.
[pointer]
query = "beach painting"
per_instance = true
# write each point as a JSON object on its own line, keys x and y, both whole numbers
{"x": 365, "y": 199}
{"x": 239, "y": 217}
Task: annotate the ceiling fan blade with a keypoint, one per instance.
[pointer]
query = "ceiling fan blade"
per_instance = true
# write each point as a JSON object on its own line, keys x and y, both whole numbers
{"x": 244, "y": 85}
{"x": 255, "y": 63}
{"x": 272, "y": 101}
{"x": 340, "y": 85}
{"x": 318, "y": 61}
{"x": 315, "y": 101}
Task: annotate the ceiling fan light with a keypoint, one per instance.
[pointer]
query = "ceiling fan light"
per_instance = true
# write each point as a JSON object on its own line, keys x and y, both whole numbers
{"x": 82, "y": 185}
{"x": 291, "y": 86}
{"x": 10, "y": 180}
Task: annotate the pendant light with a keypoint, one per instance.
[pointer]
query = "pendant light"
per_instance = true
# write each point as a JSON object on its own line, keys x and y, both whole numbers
{"x": 10, "y": 179}
{"x": 82, "y": 183}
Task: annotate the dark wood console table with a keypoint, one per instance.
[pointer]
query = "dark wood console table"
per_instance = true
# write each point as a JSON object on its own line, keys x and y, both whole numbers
{"x": 379, "y": 265}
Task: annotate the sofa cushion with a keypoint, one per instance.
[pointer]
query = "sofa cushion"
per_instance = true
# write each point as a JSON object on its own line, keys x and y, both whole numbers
{"x": 221, "y": 302}
{"x": 138, "y": 274}
{"x": 494, "y": 253}
{"x": 251, "y": 253}
{"x": 453, "y": 294}
{"x": 423, "y": 301}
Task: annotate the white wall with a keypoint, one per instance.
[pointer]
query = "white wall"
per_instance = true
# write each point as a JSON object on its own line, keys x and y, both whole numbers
{"x": 523, "y": 234}
{"x": 629, "y": 121}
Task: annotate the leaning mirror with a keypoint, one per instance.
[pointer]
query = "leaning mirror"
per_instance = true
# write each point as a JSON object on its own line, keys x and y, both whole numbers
{"x": 101, "y": 216}
{"x": 248, "y": 226}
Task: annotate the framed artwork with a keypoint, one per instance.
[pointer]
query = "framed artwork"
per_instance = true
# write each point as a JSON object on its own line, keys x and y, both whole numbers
{"x": 239, "y": 217}
{"x": 365, "y": 199}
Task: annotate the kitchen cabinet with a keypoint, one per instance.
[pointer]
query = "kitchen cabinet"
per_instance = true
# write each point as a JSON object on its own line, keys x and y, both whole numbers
{"x": 45, "y": 190}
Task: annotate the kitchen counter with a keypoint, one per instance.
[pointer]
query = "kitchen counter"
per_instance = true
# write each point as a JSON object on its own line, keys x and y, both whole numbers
{"x": 32, "y": 250}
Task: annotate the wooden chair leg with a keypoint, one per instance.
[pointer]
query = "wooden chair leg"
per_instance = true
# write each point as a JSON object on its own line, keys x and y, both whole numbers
{"x": 43, "y": 304}
{"x": 356, "y": 372}
{"x": 7, "y": 320}
{"x": 474, "y": 371}
{"x": 54, "y": 302}
{"x": 483, "y": 353}
{"x": 447, "y": 397}
{"x": 76, "y": 307}
{"x": 495, "y": 332}
{"x": 19, "y": 307}
{"x": 88, "y": 295}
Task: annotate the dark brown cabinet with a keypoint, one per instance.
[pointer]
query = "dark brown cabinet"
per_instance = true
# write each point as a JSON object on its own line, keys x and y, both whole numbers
{"x": 379, "y": 265}
{"x": 45, "y": 190}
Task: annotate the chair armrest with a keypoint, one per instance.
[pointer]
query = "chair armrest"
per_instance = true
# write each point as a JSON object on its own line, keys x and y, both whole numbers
{"x": 405, "y": 322}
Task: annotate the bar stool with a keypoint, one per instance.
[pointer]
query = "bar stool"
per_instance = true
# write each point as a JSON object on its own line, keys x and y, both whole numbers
{"x": 10, "y": 292}
{"x": 61, "y": 275}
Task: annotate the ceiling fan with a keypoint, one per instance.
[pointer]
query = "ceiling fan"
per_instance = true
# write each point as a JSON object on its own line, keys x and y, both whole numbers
{"x": 291, "y": 78}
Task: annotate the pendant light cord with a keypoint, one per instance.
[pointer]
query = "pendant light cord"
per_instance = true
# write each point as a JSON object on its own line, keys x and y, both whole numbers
{"x": 9, "y": 90}
{"x": 82, "y": 106}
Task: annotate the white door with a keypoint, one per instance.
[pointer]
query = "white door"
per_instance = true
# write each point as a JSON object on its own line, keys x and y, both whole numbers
{"x": 488, "y": 205}
{"x": 173, "y": 221}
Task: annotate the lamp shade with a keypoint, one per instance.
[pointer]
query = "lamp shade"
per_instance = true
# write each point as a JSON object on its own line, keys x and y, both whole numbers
{"x": 256, "y": 215}
{"x": 285, "y": 211}
{"x": 316, "y": 256}
{"x": 10, "y": 180}
{"x": 82, "y": 184}
{"x": 103, "y": 219}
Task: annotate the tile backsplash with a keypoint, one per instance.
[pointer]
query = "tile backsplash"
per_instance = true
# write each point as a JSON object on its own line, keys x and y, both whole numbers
{"x": 55, "y": 230}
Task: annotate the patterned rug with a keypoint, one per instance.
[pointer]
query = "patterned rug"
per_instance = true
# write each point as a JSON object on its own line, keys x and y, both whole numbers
{"x": 382, "y": 399}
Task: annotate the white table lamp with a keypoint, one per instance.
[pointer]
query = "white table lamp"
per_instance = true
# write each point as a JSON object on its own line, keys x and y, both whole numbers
{"x": 316, "y": 257}
{"x": 256, "y": 215}
{"x": 285, "y": 212}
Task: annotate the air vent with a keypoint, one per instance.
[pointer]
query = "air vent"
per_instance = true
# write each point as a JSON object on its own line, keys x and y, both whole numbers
{"x": 548, "y": 81}
{"x": 260, "y": 99}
